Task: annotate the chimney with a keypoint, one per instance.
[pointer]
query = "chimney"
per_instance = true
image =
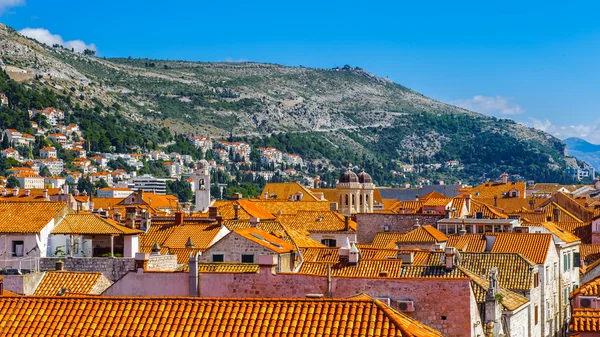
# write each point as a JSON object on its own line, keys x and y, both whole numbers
{"x": 219, "y": 219}
{"x": 532, "y": 204}
{"x": 1, "y": 285}
{"x": 16, "y": 191}
{"x": 212, "y": 212}
{"x": 76, "y": 192}
{"x": 254, "y": 222}
{"x": 468, "y": 202}
{"x": 4, "y": 192}
{"x": 353, "y": 257}
{"x": 156, "y": 249}
{"x": 333, "y": 206}
{"x": 59, "y": 266}
{"x": 266, "y": 195}
{"x": 462, "y": 230}
{"x": 193, "y": 271}
{"x": 45, "y": 193}
{"x": 267, "y": 263}
{"x": 505, "y": 178}
{"x": 236, "y": 212}
{"x": 344, "y": 251}
{"x": 118, "y": 217}
{"x": 450, "y": 254}
{"x": 416, "y": 225}
{"x": 556, "y": 215}
{"x": 406, "y": 257}
{"x": 178, "y": 218}
{"x": 495, "y": 201}
{"x": 346, "y": 223}
{"x": 236, "y": 196}
{"x": 27, "y": 193}
{"x": 130, "y": 213}
{"x": 189, "y": 244}
{"x": 146, "y": 221}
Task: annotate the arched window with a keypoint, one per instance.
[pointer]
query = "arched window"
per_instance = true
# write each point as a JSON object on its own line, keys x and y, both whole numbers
{"x": 352, "y": 199}
{"x": 346, "y": 199}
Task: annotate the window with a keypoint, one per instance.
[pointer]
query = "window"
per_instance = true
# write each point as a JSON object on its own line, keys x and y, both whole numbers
{"x": 576, "y": 259}
{"x": 565, "y": 262}
{"x": 547, "y": 275}
{"x": 555, "y": 274}
{"x": 17, "y": 248}
{"x": 548, "y": 311}
{"x": 218, "y": 258}
{"x": 536, "y": 280}
{"x": 329, "y": 242}
{"x": 536, "y": 315}
{"x": 247, "y": 258}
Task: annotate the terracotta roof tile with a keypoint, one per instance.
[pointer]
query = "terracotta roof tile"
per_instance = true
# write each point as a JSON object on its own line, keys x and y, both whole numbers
{"x": 317, "y": 221}
{"x": 386, "y": 240}
{"x": 91, "y": 224}
{"x": 424, "y": 234}
{"x": 591, "y": 288}
{"x": 202, "y": 235}
{"x": 28, "y": 217}
{"x": 365, "y": 268}
{"x": 224, "y": 267}
{"x": 283, "y": 191}
{"x": 533, "y": 247}
{"x": 276, "y": 207}
{"x": 585, "y": 320}
{"x": 265, "y": 239}
{"x": 129, "y": 316}
{"x": 73, "y": 282}
{"x": 467, "y": 243}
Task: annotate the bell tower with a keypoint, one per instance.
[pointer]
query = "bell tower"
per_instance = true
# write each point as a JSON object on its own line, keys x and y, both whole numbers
{"x": 202, "y": 188}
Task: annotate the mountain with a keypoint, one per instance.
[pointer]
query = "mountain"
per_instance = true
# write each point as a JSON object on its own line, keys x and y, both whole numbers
{"x": 584, "y": 150}
{"x": 328, "y": 116}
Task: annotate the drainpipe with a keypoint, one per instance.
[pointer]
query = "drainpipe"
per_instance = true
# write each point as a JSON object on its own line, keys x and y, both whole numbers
{"x": 329, "y": 290}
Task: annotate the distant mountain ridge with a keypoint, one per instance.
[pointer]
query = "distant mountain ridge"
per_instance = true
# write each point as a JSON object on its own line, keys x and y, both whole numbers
{"x": 584, "y": 150}
{"x": 328, "y": 116}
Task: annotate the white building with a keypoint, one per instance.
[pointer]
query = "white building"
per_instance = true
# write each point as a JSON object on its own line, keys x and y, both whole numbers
{"x": 48, "y": 152}
{"x": 114, "y": 192}
{"x": 148, "y": 183}
{"x": 30, "y": 180}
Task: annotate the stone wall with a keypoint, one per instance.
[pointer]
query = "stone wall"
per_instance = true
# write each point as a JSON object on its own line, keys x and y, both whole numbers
{"x": 161, "y": 263}
{"x": 443, "y": 304}
{"x": 151, "y": 284}
{"x": 22, "y": 284}
{"x": 233, "y": 246}
{"x": 112, "y": 268}
{"x": 102, "y": 284}
{"x": 369, "y": 224}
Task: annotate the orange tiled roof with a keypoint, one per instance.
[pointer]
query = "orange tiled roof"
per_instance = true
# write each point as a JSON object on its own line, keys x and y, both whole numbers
{"x": 511, "y": 205}
{"x": 489, "y": 190}
{"x": 28, "y": 217}
{"x": 276, "y": 207}
{"x": 317, "y": 221}
{"x": 91, "y": 224}
{"x": 467, "y": 243}
{"x": 433, "y": 195}
{"x": 298, "y": 238}
{"x": 202, "y": 235}
{"x": 74, "y": 282}
{"x": 226, "y": 267}
{"x": 561, "y": 233}
{"x": 130, "y": 316}
{"x": 106, "y": 203}
{"x": 365, "y": 268}
{"x": 534, "y": 247}
{"x": 265, "y": 239}
{"x": 591, "y": 288}
{"x": 425, "y": 234}
{"x": 283, "y": 191}
{"x": 386, "y": 240}
{"x": 585, "y": 320}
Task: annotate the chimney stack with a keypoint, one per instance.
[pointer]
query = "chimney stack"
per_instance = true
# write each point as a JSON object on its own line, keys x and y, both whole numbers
{"x": 219, "y": 219}
{"x": 189, "y": 244}
{"x": 505, "y": 178}
{"x": 130, "y": 213}
{"x": 353, "y": 257}
{"x": 532, "y": 204}
{"x": 146, "y": 221}
{"x": 193, "y": 271}
{"x": 60, "y": 266}
{"x": 346, "y": 223}
{"x": 236, "y": 210}
{"x": 254, "y": 222}
{"x": 16, "y": 191}
{"x": 266, "y": 195}
{"x": 495, "y": 201}
{"x": 118, "y": 217}
{"x": 45, "y": 194}
{"x": 212, "y": 212}
{"x": 178, "y": 218}
{"x": 468, "y": 202}
{"x": 556, "y": 215}
{"x": 27, "y": 192}
{"x": 236, "y": 196}
{"x": 450, "y": 254}
{"x": 4, "y": 192}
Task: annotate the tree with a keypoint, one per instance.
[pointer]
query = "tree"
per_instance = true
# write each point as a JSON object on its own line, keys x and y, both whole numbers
{"x": 89, "y": 52}
{"x": 12, "y": 182}
{"x": 181, "y": 188}
{"x": 85, "y": 185}
{"x": 100, "y": 184}
{"x": 45, "y": 172}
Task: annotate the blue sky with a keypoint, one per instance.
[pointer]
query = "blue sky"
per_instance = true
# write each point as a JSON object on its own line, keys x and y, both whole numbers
{"x": 535, "y": 62}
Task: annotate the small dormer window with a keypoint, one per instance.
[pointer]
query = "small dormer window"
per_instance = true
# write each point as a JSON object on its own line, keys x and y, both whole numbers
{"x": 476, "y": 194}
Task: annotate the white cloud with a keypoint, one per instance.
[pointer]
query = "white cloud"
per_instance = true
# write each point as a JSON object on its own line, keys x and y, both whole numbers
{"x": 489, "y": 105}
{"x": 44, "y": 36}
{"x": 589, "y": 132}
{"x": 229, "y": 60}
{"x": 6, "y": 4}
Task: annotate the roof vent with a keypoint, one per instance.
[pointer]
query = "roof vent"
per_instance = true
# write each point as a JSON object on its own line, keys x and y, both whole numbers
{"x": 62, "y": 291}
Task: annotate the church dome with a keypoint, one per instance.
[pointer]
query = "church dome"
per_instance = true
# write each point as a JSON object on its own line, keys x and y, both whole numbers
{"x": 364, "y": 178}
{"x": 348, "y": 177}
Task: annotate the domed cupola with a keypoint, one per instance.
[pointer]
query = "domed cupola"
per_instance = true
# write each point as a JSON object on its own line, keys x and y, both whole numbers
{"x": 348, "y": 177}
{"x": 364, "y": 178}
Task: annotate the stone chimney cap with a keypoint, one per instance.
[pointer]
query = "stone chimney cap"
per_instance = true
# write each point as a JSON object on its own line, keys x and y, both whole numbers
{"x": 354, "y": 249}
{"x": 189, "y": 244}
{"x": 156, "y": 248}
